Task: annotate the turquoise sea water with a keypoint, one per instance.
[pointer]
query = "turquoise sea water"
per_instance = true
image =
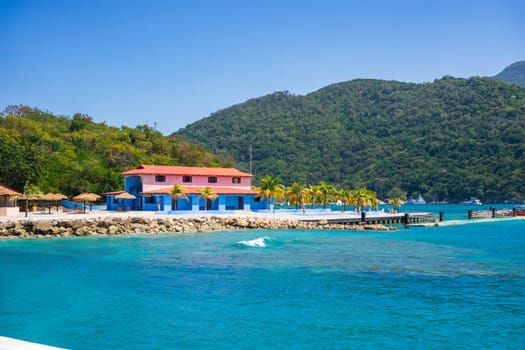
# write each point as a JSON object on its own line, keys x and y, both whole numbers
{"x": 418, "y": 288}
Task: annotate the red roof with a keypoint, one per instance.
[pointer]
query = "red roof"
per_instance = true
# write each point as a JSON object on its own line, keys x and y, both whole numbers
{"x": 197, "y": 190}
{"x": 184, "y": 170}
{"x": 111, "y": 193}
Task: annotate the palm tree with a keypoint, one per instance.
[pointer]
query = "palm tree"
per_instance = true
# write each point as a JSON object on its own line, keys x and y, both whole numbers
{"x": 208, "y": 194}
{"x": 177, "y": 192}
{"x": 396, "y": 202}
{"x": 296, "y": 194}
{"x": 327, "y": 190}
{"x": 362, "y": 198}
{"x": 270, "y": 188}
{"x": 31, "y": 192}
{"x": 314, "y": 193}
{"x": 345, "y": 196}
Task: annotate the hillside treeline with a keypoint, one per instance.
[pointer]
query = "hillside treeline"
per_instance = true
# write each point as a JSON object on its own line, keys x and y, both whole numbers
{"x": 74, "y": 155}
{"x": 448, "y": 140}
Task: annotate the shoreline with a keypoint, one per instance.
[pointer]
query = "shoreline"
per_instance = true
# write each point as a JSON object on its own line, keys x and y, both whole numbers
{"x": 68, "y": 224}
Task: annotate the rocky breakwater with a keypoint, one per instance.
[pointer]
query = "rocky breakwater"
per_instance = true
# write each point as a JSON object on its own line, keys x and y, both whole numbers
{"x": 139, "y": 225}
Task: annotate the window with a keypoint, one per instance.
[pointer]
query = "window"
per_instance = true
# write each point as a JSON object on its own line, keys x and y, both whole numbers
{"x": 186, "y": 178}
{"x": 160, "y": 178}
{"x": 236, "y": 180}
{"x": 149, "y": 200}
{"x": 212, "y": 179}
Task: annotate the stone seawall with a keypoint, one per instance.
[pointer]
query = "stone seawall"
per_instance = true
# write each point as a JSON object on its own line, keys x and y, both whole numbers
{"x": 138, "y": 225}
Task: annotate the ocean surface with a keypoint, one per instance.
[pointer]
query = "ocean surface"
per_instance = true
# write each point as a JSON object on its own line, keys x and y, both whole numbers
{"x": 418, "y": 288}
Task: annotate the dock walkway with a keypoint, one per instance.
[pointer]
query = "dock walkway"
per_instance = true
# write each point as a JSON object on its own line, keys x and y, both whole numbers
{"x": 366, "y": 218}
{"x": 465, "y": 222}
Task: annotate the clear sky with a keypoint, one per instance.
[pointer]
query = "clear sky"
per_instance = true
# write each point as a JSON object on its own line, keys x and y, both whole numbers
{"x": 172, "y": 62}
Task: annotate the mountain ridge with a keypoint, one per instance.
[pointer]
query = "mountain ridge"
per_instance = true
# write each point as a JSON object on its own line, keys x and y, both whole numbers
{"x": 450, "y": 139}
{"x": 514, "y": 74}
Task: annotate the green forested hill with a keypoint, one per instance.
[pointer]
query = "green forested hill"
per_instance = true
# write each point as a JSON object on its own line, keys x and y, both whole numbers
{"x": 73, "y": 155}
{"x": 449, "y": 140}
{"x": 515, "y": 74}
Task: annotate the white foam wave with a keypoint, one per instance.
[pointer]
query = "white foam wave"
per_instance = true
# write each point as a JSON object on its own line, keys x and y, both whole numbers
{"x": 257, "y": 242}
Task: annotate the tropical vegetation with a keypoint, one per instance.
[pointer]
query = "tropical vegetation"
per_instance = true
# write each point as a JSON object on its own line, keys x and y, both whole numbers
{"x": 209, "y": 195}
{"x": 449, "y": 140}
{"x": 270, "y": 188}
{"x": 73, "y": 155}
{"x": 322, "y": 195}
{"x": 178, "y": 191}
{"x": 396, "y": 202}
{"x": 31, "y": 192}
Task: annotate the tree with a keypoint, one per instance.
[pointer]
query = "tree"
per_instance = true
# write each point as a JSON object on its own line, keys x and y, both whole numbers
{"x": 178, "y": 191}
{"x": 31, "y": 192}
{"x": 395, "y": 202}
{"x": 296, "y": 194}
{"x": 362, "y": 197}
{"x": 270, "y": 188}
{"x": 327, "y": 190}
{"x": 345, "y": 195}
{"x": 313, "y": 194}
{"x": 208, "y": 194}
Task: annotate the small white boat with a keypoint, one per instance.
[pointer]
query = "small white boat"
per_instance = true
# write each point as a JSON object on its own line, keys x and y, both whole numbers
{"x": 420, "y": 200}
{"x": 472, "y": 201}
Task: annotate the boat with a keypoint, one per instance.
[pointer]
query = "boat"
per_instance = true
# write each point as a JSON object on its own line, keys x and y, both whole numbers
{"x": 420, "y": 200}
{"x": 472, "y": 201}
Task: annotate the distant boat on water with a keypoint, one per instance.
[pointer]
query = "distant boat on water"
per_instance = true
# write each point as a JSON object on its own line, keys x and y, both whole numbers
{"x": 419, "y": 200}
{"x": 472, "y": 201}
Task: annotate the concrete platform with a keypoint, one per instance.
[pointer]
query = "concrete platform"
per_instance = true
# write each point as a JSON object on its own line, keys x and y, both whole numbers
{"x": 15, "y": 344}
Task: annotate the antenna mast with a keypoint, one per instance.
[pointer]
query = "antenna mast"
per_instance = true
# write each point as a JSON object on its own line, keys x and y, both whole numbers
{"x": 251, "y": 160}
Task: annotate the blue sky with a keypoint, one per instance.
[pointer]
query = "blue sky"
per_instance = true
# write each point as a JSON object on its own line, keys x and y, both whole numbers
{"x": 175, "y": 62}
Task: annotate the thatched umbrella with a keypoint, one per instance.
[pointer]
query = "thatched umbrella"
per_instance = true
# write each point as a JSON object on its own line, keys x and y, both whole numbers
{"x": 86, "y": 197}
{"x": 52, "y": 197}
{"x": 125, "y": 195}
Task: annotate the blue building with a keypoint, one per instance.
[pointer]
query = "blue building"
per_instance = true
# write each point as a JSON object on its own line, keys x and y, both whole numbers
{"x": 150, "y": 187}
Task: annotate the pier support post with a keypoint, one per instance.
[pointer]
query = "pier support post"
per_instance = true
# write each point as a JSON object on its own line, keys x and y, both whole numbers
{"x": 407, "y": 218}
{"x": 469, "y": 215}
{"x": 363, "y": 217}
{"x": 441, "y": 216}
{"x": 493, "y": 213}
{"x": 514, "y": 212}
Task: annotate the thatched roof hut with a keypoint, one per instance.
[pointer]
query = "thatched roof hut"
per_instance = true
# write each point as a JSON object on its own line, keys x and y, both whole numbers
{"x": 86, "y": 197}
{"x": 8, "y": 201}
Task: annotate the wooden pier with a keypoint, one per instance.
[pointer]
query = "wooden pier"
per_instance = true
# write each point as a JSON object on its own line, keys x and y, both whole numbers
{"x": 466, "y": 221}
